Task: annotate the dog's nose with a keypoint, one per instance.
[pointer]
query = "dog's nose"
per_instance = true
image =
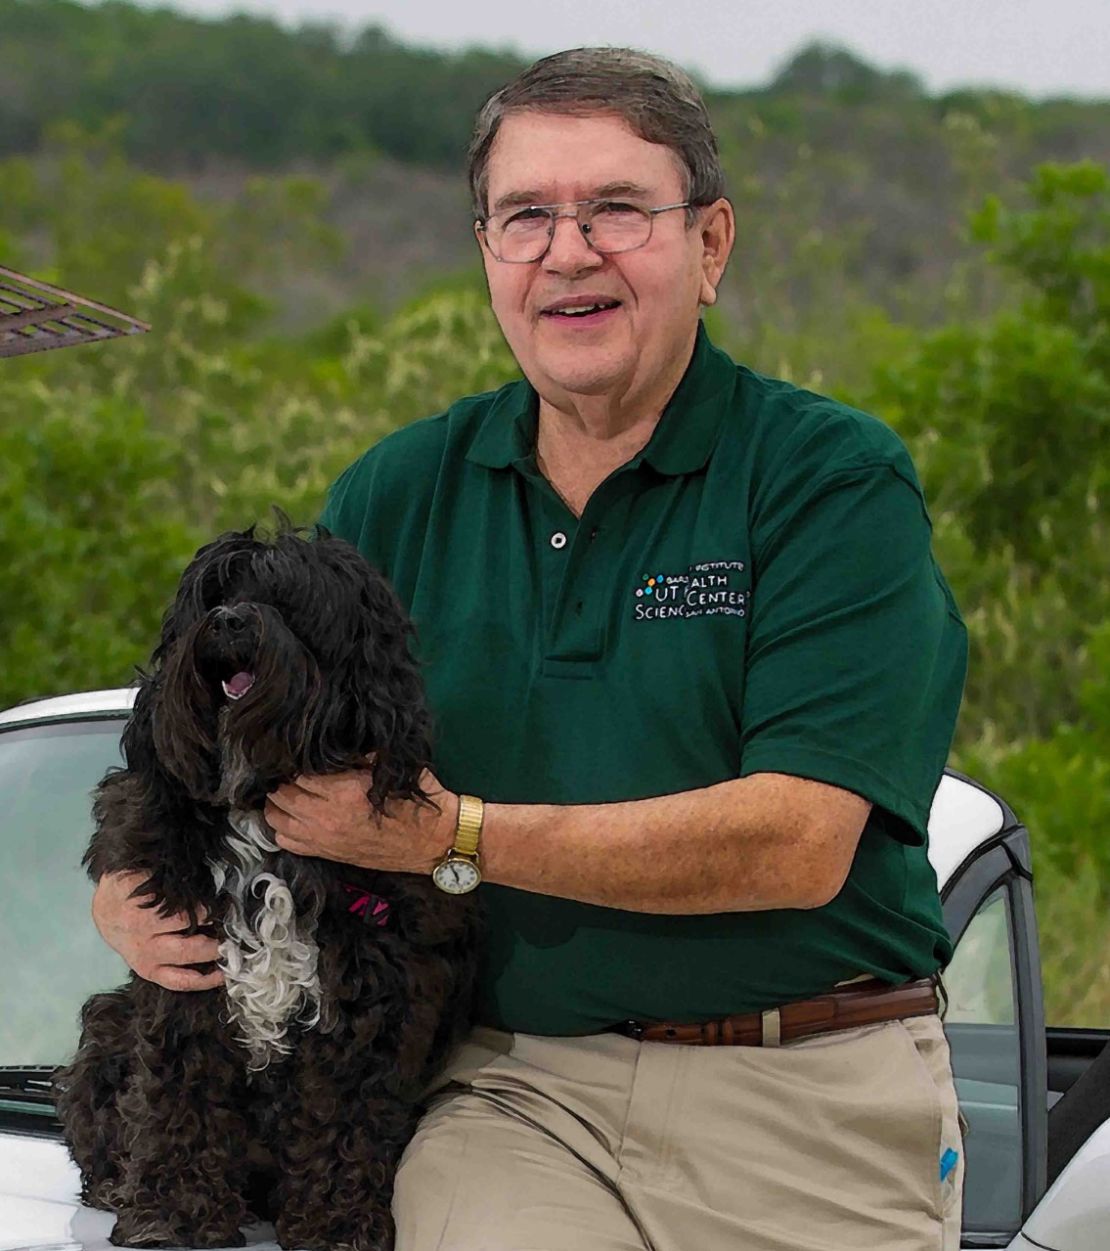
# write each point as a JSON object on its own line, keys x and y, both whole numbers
{"x": 232, "y": 620}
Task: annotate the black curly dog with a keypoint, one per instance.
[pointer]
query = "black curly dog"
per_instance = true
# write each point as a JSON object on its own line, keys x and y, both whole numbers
{"x": 290, "y": 1092}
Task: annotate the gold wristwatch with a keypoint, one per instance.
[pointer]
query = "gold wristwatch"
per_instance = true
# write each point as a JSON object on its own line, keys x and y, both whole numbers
{"x": 458, "y": 871}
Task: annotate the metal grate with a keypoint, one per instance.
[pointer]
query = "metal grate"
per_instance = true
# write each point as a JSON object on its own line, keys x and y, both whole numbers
{"x": 35, "y": 317}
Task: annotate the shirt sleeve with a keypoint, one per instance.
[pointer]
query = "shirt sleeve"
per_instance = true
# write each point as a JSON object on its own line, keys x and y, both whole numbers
{"x": 339, "y": 516}
{"x": 381, "y": 502}
{"x": 856, "y": 654}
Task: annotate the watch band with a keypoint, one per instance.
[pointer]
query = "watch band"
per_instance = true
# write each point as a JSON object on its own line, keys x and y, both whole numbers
{"x": 472, "y": 812}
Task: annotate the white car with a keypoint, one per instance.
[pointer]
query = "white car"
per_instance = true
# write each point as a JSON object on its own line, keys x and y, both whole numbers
{"x": 1037, "y": 1100}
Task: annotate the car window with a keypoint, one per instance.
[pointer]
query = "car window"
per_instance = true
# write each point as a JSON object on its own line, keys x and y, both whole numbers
{"x": 982, "y": 1032}
{"x": 54, "y": 957}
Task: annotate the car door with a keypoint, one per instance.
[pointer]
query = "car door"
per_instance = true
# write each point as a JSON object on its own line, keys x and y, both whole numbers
{"x": 995, "y": 1027}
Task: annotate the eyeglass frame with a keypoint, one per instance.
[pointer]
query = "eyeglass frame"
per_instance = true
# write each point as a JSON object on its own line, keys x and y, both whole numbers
{"x": 577, "y": 205}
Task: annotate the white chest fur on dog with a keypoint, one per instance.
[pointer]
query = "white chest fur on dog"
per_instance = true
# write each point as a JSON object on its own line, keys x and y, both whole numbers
{"x": 269, "y": 960}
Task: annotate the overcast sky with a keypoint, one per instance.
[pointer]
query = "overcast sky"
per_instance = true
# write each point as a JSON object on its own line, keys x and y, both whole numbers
{"x": 1041, "y": 47}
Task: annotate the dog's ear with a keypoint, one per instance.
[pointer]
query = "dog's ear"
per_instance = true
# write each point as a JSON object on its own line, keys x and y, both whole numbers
{"x": 183, "y": 718}
{"x": 376, "y": 696}
{"x": 174, "y": 711}
{"x": 137, "y": 741}
{"x": 396, "y": 717}
{"x": 129, "y": 800}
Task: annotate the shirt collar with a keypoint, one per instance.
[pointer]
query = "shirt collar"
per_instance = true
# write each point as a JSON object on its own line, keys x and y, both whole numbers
{"x": 682, "y": 439}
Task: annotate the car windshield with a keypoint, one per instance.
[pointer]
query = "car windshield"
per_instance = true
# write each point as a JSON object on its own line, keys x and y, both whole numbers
{"x": 56, "y": 959}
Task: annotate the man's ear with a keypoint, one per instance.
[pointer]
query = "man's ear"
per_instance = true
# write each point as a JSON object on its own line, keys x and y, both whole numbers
{"x": 718, "y": 234}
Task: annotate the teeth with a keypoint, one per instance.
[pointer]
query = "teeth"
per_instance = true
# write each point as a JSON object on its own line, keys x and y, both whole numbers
{"x": 582, "y": 308}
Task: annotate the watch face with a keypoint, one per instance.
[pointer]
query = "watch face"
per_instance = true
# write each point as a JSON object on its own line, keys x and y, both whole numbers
{"x": 456, "y": 877}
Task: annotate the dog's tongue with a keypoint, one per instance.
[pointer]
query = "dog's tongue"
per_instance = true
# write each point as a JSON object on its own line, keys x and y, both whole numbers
{"x": 239, "y": 685}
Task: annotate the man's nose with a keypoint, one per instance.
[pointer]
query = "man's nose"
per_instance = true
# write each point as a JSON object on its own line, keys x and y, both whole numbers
{"x": 569, "y": 249}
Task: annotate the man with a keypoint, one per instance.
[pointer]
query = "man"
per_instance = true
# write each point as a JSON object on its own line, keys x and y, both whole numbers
{"x": 694, "y": 676}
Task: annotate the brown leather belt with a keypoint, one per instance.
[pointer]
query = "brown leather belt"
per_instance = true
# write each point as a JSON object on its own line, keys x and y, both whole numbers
{"x": 859, "y": 1003}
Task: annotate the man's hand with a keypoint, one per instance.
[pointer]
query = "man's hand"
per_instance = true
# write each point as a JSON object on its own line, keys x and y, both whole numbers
{"x": 156, "y": 947}
{"x": 329, "y": 816}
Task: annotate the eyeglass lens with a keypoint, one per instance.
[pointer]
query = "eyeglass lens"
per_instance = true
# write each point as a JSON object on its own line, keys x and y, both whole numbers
{"x": 610, "y": 226}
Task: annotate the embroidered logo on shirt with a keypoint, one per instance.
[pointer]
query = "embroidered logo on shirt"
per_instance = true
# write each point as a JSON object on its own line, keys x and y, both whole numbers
{"x": 705, "y": 590}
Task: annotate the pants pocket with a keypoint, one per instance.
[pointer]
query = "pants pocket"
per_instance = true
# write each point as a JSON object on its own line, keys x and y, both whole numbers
{"x": 925, "y": 1039}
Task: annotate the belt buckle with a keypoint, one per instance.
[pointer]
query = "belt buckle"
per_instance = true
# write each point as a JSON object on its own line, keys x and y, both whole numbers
{"x": 634, "y": 1029}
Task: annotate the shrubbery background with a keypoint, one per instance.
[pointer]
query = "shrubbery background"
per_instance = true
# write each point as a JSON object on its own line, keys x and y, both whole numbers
{"x": 278, "y": 354}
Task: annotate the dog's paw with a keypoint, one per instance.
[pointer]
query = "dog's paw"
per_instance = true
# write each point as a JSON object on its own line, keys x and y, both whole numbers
{"x": 373, "y": 1236}
{"x": 142, "y": 1230}
{"x": 375, "y": 1243}
{"x": 102, "y": 1195}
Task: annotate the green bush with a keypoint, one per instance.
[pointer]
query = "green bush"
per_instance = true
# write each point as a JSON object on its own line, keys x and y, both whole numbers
{"x": 1009, "y": 424}
{"x": 92, "y": 545}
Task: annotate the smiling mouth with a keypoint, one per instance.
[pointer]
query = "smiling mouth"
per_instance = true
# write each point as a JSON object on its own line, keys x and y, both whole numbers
{"x": 580, "y": 312}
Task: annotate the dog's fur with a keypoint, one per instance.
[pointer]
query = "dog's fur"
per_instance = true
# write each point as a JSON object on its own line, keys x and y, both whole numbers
{"x": 291, "y": 1091}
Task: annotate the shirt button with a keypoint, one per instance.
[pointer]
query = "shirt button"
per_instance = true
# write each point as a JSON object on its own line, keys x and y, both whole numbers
{"x": 593, "y": 533}
{"x": 558, "y": 540}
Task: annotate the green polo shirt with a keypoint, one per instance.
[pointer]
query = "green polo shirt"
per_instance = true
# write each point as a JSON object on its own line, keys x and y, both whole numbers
{"x": 753, "y": 592}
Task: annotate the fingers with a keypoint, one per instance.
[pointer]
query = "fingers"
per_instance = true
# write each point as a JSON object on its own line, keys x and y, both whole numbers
{"x": 276, "y": 818}
{"x": 172, "y": 977}
{"x": 170, "y": 960}
{"x": 305, "y": 785}
{"x": 280, "y": 800}
{"x": 184, "y": 949}
{"x": 156, "y": 947}
{"x": 325, "y": 785}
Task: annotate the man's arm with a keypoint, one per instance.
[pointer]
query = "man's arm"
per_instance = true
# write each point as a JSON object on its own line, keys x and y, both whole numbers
{"x": 749, "y": 844}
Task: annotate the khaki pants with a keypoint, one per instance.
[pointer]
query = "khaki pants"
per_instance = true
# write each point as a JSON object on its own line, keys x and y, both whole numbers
{"x": 602, "y": 1143}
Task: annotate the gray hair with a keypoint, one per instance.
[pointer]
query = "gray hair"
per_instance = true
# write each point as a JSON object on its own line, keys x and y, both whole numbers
{"x": 657, "y": 100}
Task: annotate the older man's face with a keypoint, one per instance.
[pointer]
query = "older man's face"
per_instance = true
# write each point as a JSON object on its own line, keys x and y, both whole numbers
{"x": 657, "y": 288}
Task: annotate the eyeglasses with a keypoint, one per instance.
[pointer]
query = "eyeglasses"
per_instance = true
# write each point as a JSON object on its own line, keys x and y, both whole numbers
{"x": 522, "y": 235}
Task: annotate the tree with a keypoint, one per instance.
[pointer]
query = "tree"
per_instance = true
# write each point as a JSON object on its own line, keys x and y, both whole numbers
{"x": 831, "y": 70}
{"x": 1008, "y": 422}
